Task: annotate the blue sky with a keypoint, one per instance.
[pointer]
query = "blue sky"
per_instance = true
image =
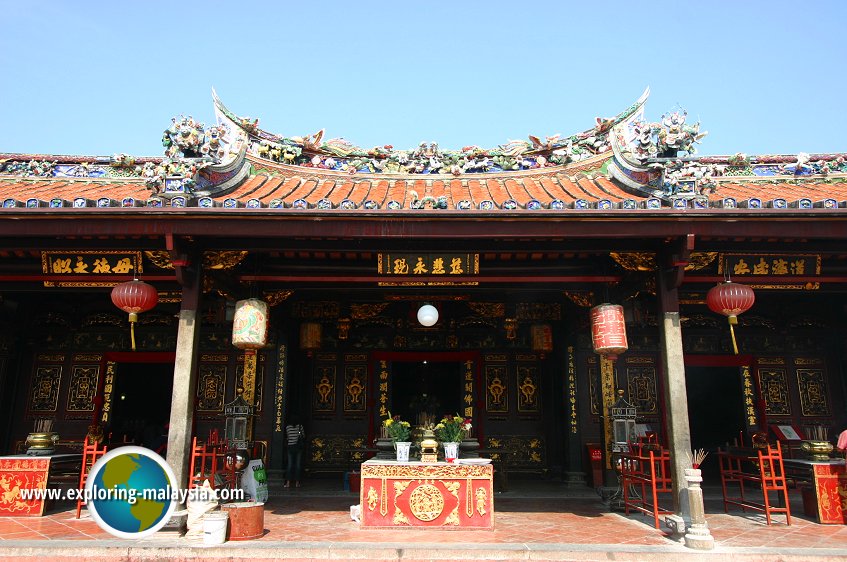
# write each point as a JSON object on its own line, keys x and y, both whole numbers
{"x": 96, "y": 78}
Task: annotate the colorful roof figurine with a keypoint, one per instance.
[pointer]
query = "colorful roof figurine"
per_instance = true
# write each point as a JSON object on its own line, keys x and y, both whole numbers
{"x": 623, "y": 163}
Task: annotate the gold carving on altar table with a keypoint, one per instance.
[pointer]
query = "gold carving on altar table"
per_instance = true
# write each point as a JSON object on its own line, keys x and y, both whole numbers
{"x": 406, "y": 264}
{"x": 372, "y": 498}
{"x": 751, "y": 265}
{"x": 481, "y": 500}
{"x": 426, "y": 502}
{"x": 89, "y": 262}
{"x": 814, "y": 397}
{"x": 774, "y": 385}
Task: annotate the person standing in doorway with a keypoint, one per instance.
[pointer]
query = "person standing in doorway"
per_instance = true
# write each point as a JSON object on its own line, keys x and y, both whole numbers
{"x": 295, "y": 440}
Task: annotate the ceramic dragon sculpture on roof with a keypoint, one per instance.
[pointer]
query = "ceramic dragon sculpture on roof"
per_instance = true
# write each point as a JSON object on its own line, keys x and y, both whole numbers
{"x": 427, "y": 158}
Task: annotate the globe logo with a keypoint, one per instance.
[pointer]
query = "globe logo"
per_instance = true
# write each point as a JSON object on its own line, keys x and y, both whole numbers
{"x": 129, "y": 492}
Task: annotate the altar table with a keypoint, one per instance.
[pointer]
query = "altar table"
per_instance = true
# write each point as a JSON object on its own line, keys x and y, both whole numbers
{"x": 22, "y": 472}
{"x": 427, "y": 495}
{"x": 826, "y": 499}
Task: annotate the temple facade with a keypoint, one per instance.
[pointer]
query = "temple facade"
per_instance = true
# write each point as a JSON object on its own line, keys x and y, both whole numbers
{"x": 512, "y": 246}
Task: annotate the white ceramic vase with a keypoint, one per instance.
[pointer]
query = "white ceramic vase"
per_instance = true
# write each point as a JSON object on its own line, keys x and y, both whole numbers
{"x": 402, "y": 448}
{"x": 451, "y": 451}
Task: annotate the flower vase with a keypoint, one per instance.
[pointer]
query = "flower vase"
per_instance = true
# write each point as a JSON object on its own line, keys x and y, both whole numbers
{"x": 402, "y": 448}
{"x": 451, "y": 451}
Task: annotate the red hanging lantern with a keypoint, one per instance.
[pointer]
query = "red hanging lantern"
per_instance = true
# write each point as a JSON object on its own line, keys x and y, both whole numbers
{"x": 608, "y": 330}
{"x": 730, "y": 299}
{"x": 134, "y": 297}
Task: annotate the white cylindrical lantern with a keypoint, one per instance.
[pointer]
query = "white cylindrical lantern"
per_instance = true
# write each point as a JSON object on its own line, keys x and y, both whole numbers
{"x": 250, "y": 324}
{"x": 427, "y": 315}
{"x": 608, "y": 330}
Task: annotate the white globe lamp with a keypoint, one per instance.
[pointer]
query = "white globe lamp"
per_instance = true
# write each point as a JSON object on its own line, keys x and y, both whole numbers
{"x": 427, "y": 315}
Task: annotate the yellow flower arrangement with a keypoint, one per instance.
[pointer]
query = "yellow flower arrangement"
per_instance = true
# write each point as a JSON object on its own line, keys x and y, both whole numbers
{"x": 452, "y": 429}
{"x": 397, "y": 429}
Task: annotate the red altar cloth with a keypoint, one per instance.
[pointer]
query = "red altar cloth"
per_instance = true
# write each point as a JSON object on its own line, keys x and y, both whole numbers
{"x": 831, "y": 490}
{"x": 427, "y": 495}
{"x": 22, "y": 473}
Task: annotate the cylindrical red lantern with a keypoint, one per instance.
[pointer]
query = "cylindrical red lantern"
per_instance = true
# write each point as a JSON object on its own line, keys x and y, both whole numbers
{"x": 731, "y": 299}
{"x": 134, "y": 297}
{"x": 608, "y": 330}
{"x": 250, "y": 324}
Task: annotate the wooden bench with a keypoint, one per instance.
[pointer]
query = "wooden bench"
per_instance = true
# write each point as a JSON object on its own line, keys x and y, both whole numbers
{"x": 645, "y": 478}
{"x": 742, "y": 469}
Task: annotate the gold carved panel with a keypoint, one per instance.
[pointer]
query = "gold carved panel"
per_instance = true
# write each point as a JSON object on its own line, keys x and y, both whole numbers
{"x": 529, "y": 392}
{"x": 323, "y": 392}
{"x": 82, "y": 390}
{"x": 211, "y": 382}
{"x": 814, "y": 396}
{"x": 496, "y": 389}
{"x": 774, "y": 385}
{"x": 44, "y": 394}
{"x": 355, "y": 388}
{"x": 641, "y": 386}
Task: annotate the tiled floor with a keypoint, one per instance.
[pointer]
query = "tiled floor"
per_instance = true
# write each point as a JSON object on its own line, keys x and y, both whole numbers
{"x": 531, "y": 514}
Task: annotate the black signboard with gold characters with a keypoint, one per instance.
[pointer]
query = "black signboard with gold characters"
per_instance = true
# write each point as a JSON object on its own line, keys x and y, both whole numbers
{"x": 750, "y": 266}
{"x": 89, "y": 262}
{"x": 405, "y": 267}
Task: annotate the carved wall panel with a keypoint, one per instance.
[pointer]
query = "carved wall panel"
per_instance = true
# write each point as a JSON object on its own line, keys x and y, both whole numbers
{"x": 774, "y": 385}
{"x": 517, "y": 450}
{"x": 82, "y": 390}
{"x": 641, "y": 387}
{"x": 814, "y": 396}
{"x": 496, "y": 389}
{"x": 44, "y": 392}
{"x": 323, "y": 391}
{"x": 211, "y": 385}
{"x": 529, "y": 391}
{"x": 355, "y": 388}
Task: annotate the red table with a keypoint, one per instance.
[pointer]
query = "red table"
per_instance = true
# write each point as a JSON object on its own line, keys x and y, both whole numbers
{"x": 827, "y": 497}
{"x": 22, "y": 473}
{"x": 427, "y": 495}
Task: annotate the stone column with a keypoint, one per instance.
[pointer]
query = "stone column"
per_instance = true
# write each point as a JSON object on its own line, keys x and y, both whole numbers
{"x": 676, "y": 399}
{"x": 185, "y": 382}
{"x": 697, "y": 534}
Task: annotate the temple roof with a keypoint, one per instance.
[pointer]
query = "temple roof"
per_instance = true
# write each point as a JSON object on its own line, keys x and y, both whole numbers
{"x": 621, "y": 163}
